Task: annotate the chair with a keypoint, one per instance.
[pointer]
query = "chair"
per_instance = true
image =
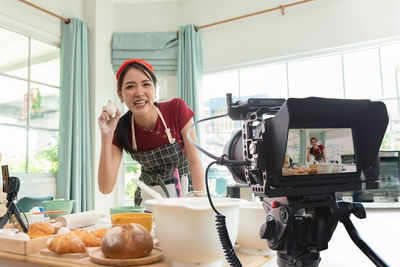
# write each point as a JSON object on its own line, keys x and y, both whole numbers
{"x": 25, "y": 204}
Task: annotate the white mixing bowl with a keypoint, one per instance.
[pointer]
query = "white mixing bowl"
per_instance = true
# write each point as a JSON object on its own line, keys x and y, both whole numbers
{"x": 323, "y": 168}
{"x": 186, "y": 228}
{"x": 251, "y": 217}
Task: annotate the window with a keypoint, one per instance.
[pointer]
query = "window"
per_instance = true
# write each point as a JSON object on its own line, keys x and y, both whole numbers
{"x": 367, "y": 73}
{"x": 29, "y": 103}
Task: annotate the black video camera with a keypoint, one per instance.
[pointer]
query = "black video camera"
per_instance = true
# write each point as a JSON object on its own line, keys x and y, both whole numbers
{"x": 293, "y": 151}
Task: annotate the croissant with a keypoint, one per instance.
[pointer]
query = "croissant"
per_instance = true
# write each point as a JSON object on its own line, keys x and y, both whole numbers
{"x": 67, "y": 243}
{"x": 89, "y": 239}
{"x": 100, "y": 232}
{"x": 39, "y": 229}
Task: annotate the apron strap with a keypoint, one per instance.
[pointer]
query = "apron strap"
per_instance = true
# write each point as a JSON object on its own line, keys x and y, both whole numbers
{"x": 167, "y": 130}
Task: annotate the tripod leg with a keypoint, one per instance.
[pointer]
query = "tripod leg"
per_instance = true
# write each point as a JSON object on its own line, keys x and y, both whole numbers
{"x": 4, "y": 220}
{"x": 352, "y": 231}
{"x": 15, "y": 210}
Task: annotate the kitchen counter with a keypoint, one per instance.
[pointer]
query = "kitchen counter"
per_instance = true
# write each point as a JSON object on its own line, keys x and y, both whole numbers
{"x": 36, "y": 259}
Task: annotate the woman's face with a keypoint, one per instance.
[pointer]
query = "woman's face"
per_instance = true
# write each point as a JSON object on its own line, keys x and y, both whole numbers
{"x": 137, "y": 92}
{"x": 314, "y": 142}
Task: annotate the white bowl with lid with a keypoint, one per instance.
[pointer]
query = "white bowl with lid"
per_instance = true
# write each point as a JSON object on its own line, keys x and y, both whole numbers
{"x": 186, "y": 228}
{"x": 323, "y": 168}
{"x": 251, "y": 218}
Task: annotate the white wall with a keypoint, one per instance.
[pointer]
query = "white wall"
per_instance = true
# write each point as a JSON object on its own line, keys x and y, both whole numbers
{"x": 312, "y": 26}
{"x": 39, "y": 20}
{"x": 99, "y": 16}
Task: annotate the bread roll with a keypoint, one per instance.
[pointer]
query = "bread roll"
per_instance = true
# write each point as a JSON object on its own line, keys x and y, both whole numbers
{"x": 67, "y": 243}
{"x": 89, "y": 239}
{"x": 39, "y": 229}
{"x": 126, "y": 241}
{"x": 100, "y": 232}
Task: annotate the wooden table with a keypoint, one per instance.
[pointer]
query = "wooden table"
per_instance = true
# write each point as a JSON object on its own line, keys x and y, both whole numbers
{"x": 42, "y": 260}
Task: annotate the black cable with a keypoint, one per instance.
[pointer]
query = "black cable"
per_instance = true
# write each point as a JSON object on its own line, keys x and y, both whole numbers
{"x": 207, "y": 189}
{"x": 225, "y": 161}
{"x": 222, "y": 230}
{"x": 229, "y": 251}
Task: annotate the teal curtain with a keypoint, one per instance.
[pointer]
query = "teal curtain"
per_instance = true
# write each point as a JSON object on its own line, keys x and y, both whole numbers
{"x": 190, "y": 67}
{"x": 160, "y": 49}
{"x": 74, "y": 176}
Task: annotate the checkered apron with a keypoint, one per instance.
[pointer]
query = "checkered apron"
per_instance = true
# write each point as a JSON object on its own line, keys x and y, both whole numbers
{"x": 159, "y": 164}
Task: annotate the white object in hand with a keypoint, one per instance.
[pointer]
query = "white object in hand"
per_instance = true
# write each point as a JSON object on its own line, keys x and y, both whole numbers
{"x": 111, "y": 108}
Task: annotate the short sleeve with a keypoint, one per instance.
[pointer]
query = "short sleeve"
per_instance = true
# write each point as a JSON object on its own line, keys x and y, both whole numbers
{"x": 183, "y": 111}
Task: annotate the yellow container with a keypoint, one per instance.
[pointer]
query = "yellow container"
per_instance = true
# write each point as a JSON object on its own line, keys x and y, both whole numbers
{"x": 145, "y": 219}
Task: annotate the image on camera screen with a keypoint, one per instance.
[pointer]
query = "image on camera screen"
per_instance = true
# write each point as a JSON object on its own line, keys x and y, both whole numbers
{"x": 319, "y": 151}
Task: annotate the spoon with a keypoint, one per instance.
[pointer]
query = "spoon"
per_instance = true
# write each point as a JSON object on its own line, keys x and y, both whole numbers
{"x": 150, "y": 191}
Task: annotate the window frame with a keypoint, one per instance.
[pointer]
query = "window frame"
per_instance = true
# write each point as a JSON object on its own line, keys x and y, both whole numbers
{"x": 50, "y": 39}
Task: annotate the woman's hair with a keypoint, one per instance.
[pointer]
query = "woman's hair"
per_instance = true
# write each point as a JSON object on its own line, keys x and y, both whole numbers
{"x": 146, "y": 71}
{"x": 313, "y": 138}
{"x": 121, "y": 134}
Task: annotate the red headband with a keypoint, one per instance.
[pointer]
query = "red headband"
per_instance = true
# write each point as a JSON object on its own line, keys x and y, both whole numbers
{"x": 150, "y": 67}
{"x": 314, "y": 138}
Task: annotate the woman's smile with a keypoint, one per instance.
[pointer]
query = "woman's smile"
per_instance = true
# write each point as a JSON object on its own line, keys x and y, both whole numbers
{"x": 140, "y": 103}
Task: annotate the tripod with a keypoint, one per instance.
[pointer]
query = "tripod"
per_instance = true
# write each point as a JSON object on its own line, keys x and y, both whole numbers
{"x": 11, "y": 206}
{"x": 300, "y": 227}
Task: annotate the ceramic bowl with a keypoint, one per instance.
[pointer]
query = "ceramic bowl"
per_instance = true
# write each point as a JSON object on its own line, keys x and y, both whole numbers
{"x": 323, "y": 168}
{"x": 186, "y": 228}
{"x": 337, "y": 168}
{"x": 251, "y": 217}
{"x": 145, "y": 219}
{"x": 127, "y": 209}
{"x": 58, "y": 205}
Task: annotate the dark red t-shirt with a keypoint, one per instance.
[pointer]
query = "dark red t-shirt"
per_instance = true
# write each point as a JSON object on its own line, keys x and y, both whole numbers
{"x": 317, "y": 151}
{"x": 176, "y": 115}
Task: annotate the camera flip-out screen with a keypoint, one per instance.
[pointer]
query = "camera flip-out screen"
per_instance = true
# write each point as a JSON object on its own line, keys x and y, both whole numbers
{"x": 301, "y": 150}
{"x": 318, "y": 151}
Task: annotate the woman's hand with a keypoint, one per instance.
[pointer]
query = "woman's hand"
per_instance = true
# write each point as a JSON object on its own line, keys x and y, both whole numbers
{"x": 107, "y": 123}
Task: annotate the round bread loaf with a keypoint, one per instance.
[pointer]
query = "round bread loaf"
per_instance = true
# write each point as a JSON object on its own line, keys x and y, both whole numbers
{"x": 126, "y": 241}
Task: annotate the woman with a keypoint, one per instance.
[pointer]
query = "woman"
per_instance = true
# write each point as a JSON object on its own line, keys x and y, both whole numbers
{"x": 317, "y": 150}
{"x": 154, "y": 134}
